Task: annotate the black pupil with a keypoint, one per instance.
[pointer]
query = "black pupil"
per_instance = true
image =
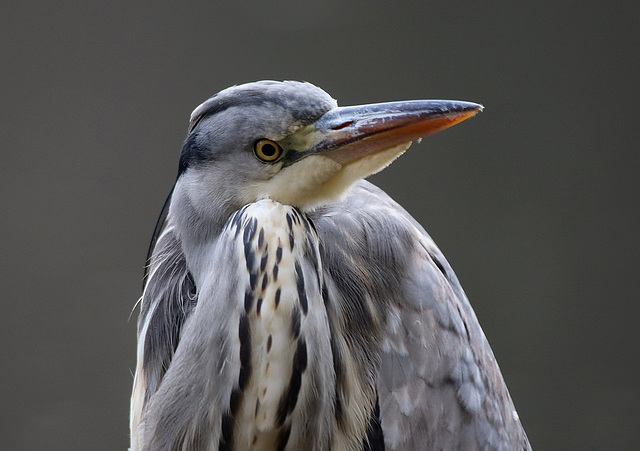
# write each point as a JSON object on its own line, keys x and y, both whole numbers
{"x": 268, "y": 150}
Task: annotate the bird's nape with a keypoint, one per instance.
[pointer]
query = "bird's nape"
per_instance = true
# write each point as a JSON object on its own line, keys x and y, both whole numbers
{"x": 289, "y": 304}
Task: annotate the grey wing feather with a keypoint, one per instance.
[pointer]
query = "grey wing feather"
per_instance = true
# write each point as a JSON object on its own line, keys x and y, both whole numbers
{"x": 167, "y": 301}
{"x": 438, "y": 383}
{"x": 169, "y": 296}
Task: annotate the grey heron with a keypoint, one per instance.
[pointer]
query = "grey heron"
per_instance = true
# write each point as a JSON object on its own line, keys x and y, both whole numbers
{"x": 290, "y": 304}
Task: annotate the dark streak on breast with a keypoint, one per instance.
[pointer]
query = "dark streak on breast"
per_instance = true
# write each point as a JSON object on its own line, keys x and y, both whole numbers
{"x": 248, "y": 301}
{"x": 295, "y": 322}
{"x": 296, "y": 216}
{"x": 249, "y": 256}
{"x": 277, "y": 299}
{"x": 234, "y": 401}
{"x": 236, "y": 220}
{"x": 283, "y": 438}
{"x": 253, "y": 278}
{"x": 250, "y": 230}
{"x": 302, "y": 295}
{"x": 226, "y": 437}
{"x": 289, "y": 400}
{"x": 244, "y": 334}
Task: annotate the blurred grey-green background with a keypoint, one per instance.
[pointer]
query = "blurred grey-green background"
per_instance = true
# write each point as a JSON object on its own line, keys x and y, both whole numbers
{"x": 534, "y": 201}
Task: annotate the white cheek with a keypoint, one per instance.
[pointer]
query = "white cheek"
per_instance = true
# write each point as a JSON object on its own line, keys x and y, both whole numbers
{"x": 318, "y": 179}
{"x": 301, "y": 184}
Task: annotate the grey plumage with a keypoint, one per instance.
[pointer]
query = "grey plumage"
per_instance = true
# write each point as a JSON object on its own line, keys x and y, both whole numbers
{"x": 291, "y": 305}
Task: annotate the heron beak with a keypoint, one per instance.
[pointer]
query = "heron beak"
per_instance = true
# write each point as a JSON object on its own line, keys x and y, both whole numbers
{"x": 346, "y": 144}
{"x": 349, "y": 134}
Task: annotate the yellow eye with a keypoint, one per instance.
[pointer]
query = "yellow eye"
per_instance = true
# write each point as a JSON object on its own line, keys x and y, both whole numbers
{"x": 267, "y": 150}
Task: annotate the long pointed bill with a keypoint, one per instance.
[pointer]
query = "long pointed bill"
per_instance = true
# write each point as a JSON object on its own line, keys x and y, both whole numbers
{"x": 347, "y": 134}
{"x": 347, "y": 144}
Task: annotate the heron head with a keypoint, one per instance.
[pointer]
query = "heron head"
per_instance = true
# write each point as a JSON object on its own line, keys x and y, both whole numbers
{"x": 289, "y": 141}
